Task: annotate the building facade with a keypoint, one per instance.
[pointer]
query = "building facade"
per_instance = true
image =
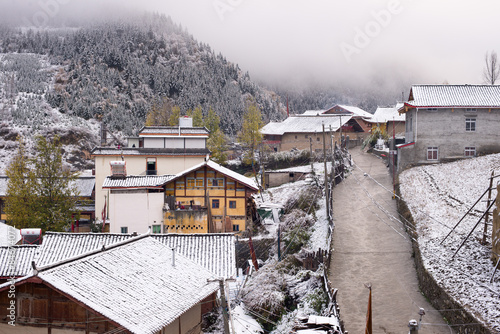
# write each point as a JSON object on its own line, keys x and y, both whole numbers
{"x": 158, "y": 150}
{"x": 449, "y": 122}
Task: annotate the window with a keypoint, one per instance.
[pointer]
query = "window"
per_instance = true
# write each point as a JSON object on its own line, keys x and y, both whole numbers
{"x": 190, "y": 183}
{"x": 470, "y": 124}
{"x": 470, "y": 110}
{"x": 317, "y": 139}
{"x": 232, "y": 204}
{"x": 432, "y": 153}
{"x": 470, "y": 151}
{"x": 236, "y": 227}
{"x": 156, "y": 229}
{"x": 151, "y": 166}
{"x": 215, "y": 204}
{"x": 216, "y": 182}
{"x": 199, "y": 182}
{"x": 431, "y": 109}
{"x": 124, "y": 229}
{"x": 179, "y": 184}
{"x": 295, "y": 137}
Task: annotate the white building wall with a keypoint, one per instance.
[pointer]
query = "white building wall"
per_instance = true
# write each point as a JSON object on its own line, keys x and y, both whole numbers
{"x": 195, "y": 143}
{"x": 174, "y": 142}
{"x": 136, "y": 210}
{"x": 154, "y": 143}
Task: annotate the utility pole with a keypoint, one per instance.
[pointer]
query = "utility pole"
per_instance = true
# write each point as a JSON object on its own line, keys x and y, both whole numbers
{"x": 326, "y": 175}
{"x": 311, "y": 153}
{"x": 223, "y": 302}
{"x": 486, "y": 217}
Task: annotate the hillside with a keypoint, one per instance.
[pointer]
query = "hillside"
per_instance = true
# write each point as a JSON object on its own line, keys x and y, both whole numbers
{"x": 115, "y": 72}
{"x": 438, "y": 196}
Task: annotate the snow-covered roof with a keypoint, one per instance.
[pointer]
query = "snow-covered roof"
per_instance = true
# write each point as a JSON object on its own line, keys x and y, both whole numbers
{"x": 356, "y": 111}
{"x": 9, "y": 235}
{"x": 442, "y": 96}
{"x": 129, "y": 151}
{"x": 136, "y": 181}
{"x": 305, "y": 124}
{"x": 20, "y": 256}
{"x": 223, "y": 170}
{"x": 84, "y": 184}
{"x": 312, "y": 112}
{"x": 126, "y": 284}
{"x": 172, "y": 131}
{"x": 215, "y": 252}
{"x": 387, "y": 114}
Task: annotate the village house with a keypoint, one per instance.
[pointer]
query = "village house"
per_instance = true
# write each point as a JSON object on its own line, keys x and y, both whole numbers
{"x": 158, "y": 150}
{"x": 358, "y": 124}
{"x": 124, "y": 289}
{"x": 305, "y": 131}
{"x": 449, "y": 122}
{"x": 388, "y": 120}
{"x": 206, "y": 198}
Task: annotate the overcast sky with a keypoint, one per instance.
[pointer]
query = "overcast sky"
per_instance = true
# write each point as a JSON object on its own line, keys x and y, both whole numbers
{"x": 422, "y": 41}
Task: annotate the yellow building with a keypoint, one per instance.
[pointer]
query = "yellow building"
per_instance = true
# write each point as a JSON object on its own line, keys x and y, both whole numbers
{"x": 207, "y": 198}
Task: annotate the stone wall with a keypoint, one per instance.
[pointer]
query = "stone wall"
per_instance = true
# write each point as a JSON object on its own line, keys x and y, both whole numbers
{"x": 437, "y": 296}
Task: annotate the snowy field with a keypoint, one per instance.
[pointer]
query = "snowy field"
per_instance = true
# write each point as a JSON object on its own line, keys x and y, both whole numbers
{"x": 438, "y": 196}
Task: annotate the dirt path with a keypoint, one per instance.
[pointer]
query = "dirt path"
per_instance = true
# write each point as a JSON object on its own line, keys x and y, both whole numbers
{"x": 370, "y": 247}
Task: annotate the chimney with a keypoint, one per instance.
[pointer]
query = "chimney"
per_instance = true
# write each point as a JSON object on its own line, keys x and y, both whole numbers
{"x": 185, "y": 122}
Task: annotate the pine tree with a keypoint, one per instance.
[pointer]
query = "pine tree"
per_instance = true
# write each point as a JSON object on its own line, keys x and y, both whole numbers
{"x": 196, "y": 115}
{"x": 217, "y": 144}
{"x": 54, "y": 187}
{"x": 250, "y": 136}
{"x": 19, "y": 195}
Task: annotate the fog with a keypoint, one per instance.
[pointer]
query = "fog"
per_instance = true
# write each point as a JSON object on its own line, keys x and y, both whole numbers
{"x": 360, "y": 42}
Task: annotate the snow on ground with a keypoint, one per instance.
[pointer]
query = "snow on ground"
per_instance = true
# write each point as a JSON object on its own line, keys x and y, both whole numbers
{"x": 281, "y": 194}
{"x": 438, "y": 196}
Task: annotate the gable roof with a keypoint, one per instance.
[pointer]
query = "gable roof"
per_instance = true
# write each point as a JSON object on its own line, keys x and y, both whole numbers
{"x": 221, "y": 169}
{"x": 126, "y": 284}
{"x": 305, "y": 124}
{"x": 215, "y": 252}
{"x": 444, "y": 96}
{"x": 355, "y": 111}
{"x": 136, "y": 181}
{"x": 129, "y": 151}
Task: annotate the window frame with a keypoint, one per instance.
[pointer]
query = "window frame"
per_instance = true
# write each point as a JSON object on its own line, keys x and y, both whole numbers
{"x": 124, "y": 228}
{"x": 215, "y": 204}
{"x": 151, "y": 161}
{"x": 236, "y": 228}
{"x": 470, "y": 124}
{"x": 232, "y": 204}
{"x": 468, "y": 150}
{"x": 157, "y": 226}
{"x": 434, "y": 150}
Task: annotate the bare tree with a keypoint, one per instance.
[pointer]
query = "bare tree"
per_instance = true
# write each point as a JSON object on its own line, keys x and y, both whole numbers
{"x": 492, "y": 69}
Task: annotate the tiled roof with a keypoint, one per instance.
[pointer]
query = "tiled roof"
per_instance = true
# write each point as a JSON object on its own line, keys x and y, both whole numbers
{"x": 223, "y": 170}
{"x": 20, "y": 256}
{"x": 136, "y": 284}
{"x": 454, "y": 96}
{"x": 172, "y": 130}
{"x": 304, "y": 124}
{"x": 215, "y": 252}
{"x": 85, "y": 185}
{"x": 137, "y": 181}
{"x": 128, "y": 151}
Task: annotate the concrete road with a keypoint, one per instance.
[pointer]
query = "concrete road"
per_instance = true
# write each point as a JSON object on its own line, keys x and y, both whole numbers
{"x": 371, "y": 247}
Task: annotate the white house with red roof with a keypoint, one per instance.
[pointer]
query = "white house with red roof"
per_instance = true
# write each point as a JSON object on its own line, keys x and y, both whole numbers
{"x": 449, "y": 122}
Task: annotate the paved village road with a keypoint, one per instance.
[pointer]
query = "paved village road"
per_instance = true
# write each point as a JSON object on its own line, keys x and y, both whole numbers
{"x": 369, "y": 247}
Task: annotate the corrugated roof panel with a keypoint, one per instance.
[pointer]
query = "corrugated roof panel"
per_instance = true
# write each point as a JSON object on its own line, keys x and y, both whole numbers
{"x": 305, "y": 124}
{"x": 15, "y": 261}
{"x": 455, "y": 96}
{"x": 137, "y": 181}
